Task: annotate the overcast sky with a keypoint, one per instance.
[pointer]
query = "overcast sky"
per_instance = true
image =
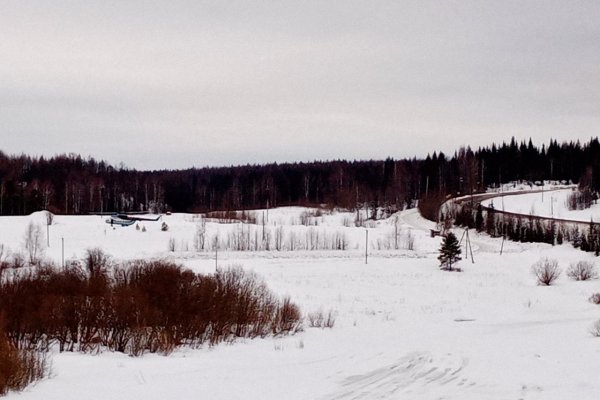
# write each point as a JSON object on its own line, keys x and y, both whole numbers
{"x": 175, "y": 84}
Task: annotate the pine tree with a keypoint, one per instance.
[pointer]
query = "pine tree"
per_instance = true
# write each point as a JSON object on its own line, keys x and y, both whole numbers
{"x": 449, "y": 252}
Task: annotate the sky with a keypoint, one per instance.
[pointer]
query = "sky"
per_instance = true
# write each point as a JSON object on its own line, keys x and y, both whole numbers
{"x": 176, "y": 84}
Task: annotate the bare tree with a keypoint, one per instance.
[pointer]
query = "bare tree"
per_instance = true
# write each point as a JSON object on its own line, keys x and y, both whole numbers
{"x": 49, "y": 218}
{"x": 34, "y": 242}
{"x": 200, "y": 235}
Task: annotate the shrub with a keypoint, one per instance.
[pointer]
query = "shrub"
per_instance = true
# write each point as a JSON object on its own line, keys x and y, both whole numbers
{"x": 19, "y": 368}
{"x": 595, "y": 298}
{"x": 138, "y": 307}
{"x": 319, "y": 320}
{"x": 546, "y": 271}
{"x": 582, "y": 271}
{"x": 287, "y": 318}
{"x": 96, "y": 261}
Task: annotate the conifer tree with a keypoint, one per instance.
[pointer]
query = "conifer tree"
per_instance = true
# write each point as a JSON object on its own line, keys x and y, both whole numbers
{"x": 449, "y": 252}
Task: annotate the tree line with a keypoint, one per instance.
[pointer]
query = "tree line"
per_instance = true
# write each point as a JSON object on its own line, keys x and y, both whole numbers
{"x": 71, "y": 184}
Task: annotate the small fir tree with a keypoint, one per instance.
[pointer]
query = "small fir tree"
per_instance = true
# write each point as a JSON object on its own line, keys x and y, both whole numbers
{"x": 449, "y": 252}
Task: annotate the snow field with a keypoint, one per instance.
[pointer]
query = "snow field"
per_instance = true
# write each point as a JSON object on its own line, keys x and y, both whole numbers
{"x": 551, "y": 203}
{"x": 403, "y": 329}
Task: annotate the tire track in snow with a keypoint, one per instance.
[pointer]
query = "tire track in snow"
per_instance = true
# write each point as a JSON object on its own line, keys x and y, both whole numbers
{"x": 415, "y": 374}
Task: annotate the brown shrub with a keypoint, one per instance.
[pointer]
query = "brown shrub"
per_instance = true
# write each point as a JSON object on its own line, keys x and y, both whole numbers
{"x": 18, "y": 367}
{"x": 144, "y": 306}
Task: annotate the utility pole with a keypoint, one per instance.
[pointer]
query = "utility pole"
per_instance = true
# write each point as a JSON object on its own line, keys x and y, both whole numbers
{"x": 63, "y": 251}
{"x": 468, "y": 247}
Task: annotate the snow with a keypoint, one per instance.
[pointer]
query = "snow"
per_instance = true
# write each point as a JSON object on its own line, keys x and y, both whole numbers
{"x": 404, "y": 329}
{"x": 547, "y": 204}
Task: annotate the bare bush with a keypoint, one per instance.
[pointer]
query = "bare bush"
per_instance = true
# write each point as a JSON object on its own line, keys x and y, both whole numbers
{"x": 582, "y": 271}
{"x": 138, "y": 307}
{"x": 96, "y": 261}
{"x": 287, "y": 318}
{"x": 546, "y": 271}
{"x": 164, "y": 227}
{"x": 320, "y": 320}
{"x": 595, "y": 298}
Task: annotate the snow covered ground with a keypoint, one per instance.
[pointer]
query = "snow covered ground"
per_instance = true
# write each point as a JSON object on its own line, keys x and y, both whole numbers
{"x": 546, "y": 204}
{"x": 404, "y": 329}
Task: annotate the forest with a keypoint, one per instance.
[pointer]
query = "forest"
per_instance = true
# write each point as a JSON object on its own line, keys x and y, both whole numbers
{"x": 72, "y": 184}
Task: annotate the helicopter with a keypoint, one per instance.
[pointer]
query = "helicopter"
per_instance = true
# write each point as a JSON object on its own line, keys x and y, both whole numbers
{"x": 127, "y": 219}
